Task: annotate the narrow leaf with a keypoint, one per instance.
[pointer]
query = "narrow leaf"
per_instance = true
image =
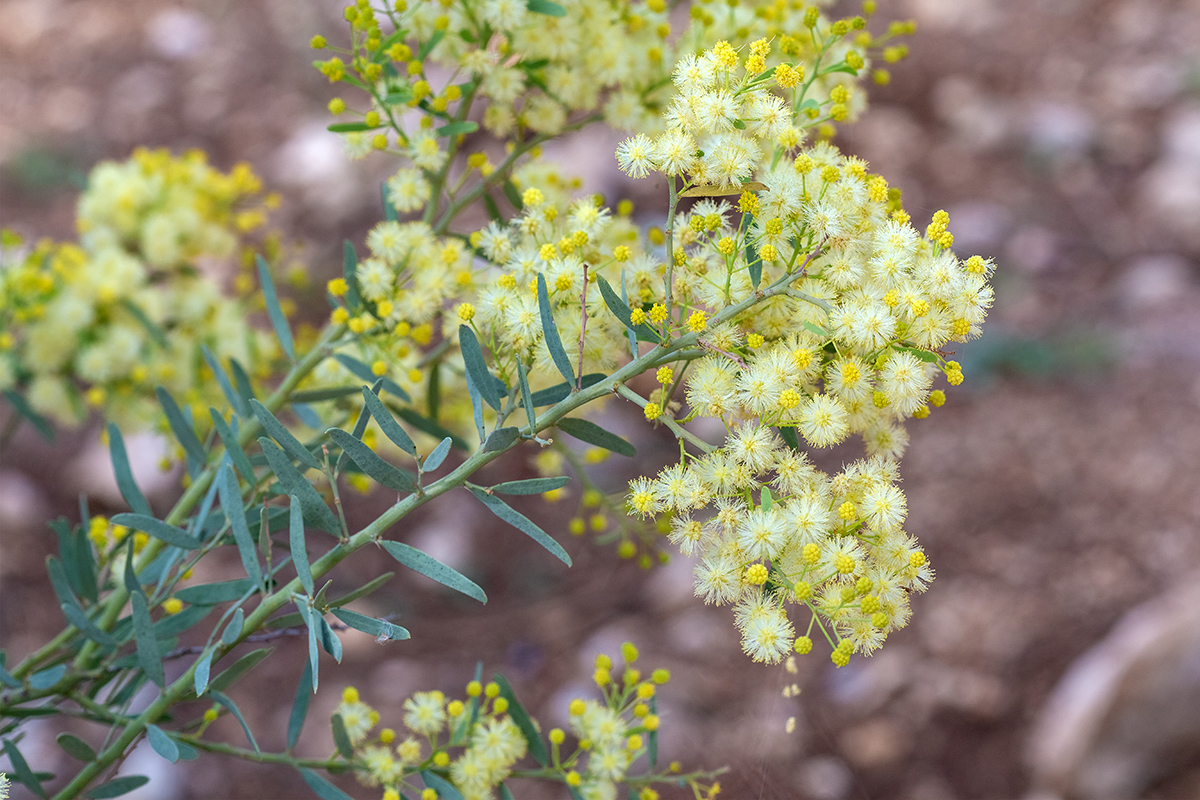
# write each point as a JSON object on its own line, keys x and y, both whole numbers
{"x": 350, "y": 273}
{"x": 242, "y": 382}
{"x": 278, "y": 320}
{"x": 348, "y": 127}
{"x": 75, "y": 747}
{"x": 341, "y": 740}
{"x": 163, "y": 745}
{"x": 618, "y": 307}
{"x": 430, "y": 43}
{"x": 435, "y": 459}
{"x": 177, "y": 537}
{"x": 35, "y": 419}
{"x": 239, "y": 668}
{"x": 476, "y": 366}
{"x": 457, "y": 128}
{"x": 299, "y": 549}
{"x": 307, "y": 613}
{"x": 363, "y": 372}
{"x": 445, "y": 790}
{"x": 329, "y": 639}
{"x": 315, "y": 510}
{"x": 512, "y": 194}
{"x": 588, "y": 431}
{"x": 789, "y": 437}
{"x": 233, "y": 709}
{"x": 147, "y": 645}
{"x": 232, "y": 447}
{"x": 381, "y": 629}
{"x": 234, "y": 629}
{"x": 76, "y": 616}
{"x": 125, "y": 482}
{"x": 299, "y": 706}
{"x": 370, "y": 463}
{"x": 476, "y": 406}
{"x": 521, "y": 523}
{"x": 501, "y": 439}
{"x": 527, "y": 398}
{"x": 546, "y": 7}
{"x": 923, "y": 355}
{"x": 323, "y": 788}
{"x": 183, "y": 430}
{"x": 175, "y": 624}
{"x": 652, "y": 738}
{"x": 537, "y": 748}
{"x": 235, "y": 400}
{"x": 363, "y": 590}
{"x": 47, "y": 677}
{"x": 210, "y": 594}
{"x": 389, "y": 208}
{"x": 279, "y": 433}
{"x": 231, "y": 504}
{"x": 200, "y": 676}
{"x": 531, "y": 485}
{"x": 321, "y": 395}
{"x": 59, "y": 582}
{"x": 553, "y": 340}
{"x": 430, "y": 567}
{"x": 387, "y": 423}
{"x": 561, "y": 391}
{"x": 21, "y": 770}
{"x": 117, "y": 787}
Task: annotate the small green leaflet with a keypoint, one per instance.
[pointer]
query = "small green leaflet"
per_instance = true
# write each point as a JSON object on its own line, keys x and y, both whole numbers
{"x": 233, "y": 709}
{"x": 125, "y": 482}
{"x": 323, "y": 788}
{"x": 527, "y": 398}
{"x": 278, "y": 320}
{"x": 588, "y": 431}
{"x": 75, "y": 747}
{"x": 431, "y": 568}
{"x": 196, "y": 456}
{"x": 315, "y": 510}
{"x": 916, "y": 352}
{"x": 297, "y": 544}
{"x": 387, "y": 423}
{"x": 279, "y": 433}
{"x": 170, "y": 534}
{"x": 537, "y": 748}
{"x": 381, "y": 629}
{"x": 47, "y": 677}
{"x": 329, "y": 639}
{"x": 350, "y": 274}
{"x": 561, "y": 391}
{"x": 228, "y": 438}
{"x": 348, "y": 127}
{"x": 307, "y": 613}
{"x": 531, "y": 485}
{"x": 443, "y": 787}
{"x": 147, "y": 645}
{"x": 457, "y": 128}
{"x": 431, "y": 43}
{"x": 235, "y": 400}
{"x": 163, "y": 745}
{"x": 299, "y": 706}
{"x": 117, "y": 787}
{"x": 501, "y": 439}
{"x": 340, "y": 740}
{"x": 553, "y": 340}
{"x": 622, "y": 312}
{"x": 521, "y": 523}
{"x": 234, "y": 629}
{"x": 210, "y": 594}
{"x": 35, "y": 419}
{"x": 546, "y": 7}
{"x": 476, "y": 366}
{"x": 435, "y": 459}
{"x": 76, "y": 616}
{"x": 200, "y": 676}
{"x": 381, "y": 471}
{"x": 231, "y": 503}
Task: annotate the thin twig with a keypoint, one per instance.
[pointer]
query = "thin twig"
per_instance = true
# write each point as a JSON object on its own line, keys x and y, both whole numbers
{"x": 726, "y": 353}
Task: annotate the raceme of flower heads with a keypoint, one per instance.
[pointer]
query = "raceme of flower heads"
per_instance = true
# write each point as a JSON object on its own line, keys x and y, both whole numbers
{"x": 103, "y": 322}
{"x": 545, "y": 67}
{"x": 851, "y": 347}
{"x": 477, "y": 742}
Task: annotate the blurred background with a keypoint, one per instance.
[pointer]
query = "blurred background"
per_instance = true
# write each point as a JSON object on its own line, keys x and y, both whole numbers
{"x": 1057, "y": 492}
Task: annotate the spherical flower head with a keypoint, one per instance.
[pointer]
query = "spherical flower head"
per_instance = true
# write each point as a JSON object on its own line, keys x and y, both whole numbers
{"x": 425, "y": 712}
{"x": 465, "y": 312}
{"x": 803, "y": 645}
{"x": 637, "y": 316}
{"x": 664, "y": 375}
{"x": 532, "y": 197}
{"x": 756, "y": 575}
{"x": 697, "y": 321}
{"x": 748, "y": 203}
{"x": 653, "y": 411}
{"x": 629, "y": 652}
{"x": 338, "y": 287}
{"x": 173, "y": 605}
{"x": 634, "y": 156}
{"x": 621, "y": 253}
